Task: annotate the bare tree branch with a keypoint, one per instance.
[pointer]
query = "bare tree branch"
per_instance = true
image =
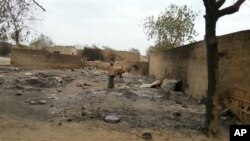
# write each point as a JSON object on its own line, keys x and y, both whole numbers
{"x": 219, "y": 3}
{"x": 39, "y": 5}
{"x": 231, "y": 9}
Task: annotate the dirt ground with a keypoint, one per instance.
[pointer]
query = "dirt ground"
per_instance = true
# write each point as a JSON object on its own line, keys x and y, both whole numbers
{"x": 62, "y": 105}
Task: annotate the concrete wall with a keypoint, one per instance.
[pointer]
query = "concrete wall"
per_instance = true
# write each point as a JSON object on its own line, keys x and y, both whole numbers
{"x": 69, "y": 50}
{"x": 188, "y": 63}
{"x": 42, "y": 59}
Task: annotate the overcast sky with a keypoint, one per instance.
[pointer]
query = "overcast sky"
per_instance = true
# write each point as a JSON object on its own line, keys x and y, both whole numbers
{"x": 116, "y": 23}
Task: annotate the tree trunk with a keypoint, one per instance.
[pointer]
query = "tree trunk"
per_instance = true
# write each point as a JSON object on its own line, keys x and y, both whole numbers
{"x": 17, "y": 37}
{"x": 212, "y": 103}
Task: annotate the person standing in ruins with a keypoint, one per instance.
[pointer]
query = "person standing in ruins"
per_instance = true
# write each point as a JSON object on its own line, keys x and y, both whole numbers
{"x": 111, "y": 74}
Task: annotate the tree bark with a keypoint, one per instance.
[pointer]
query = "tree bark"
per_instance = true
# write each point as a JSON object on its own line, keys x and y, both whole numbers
{"x": 212, "y": 103}
{"x": 213, "y": 13}
{"x": 17, "y": 37}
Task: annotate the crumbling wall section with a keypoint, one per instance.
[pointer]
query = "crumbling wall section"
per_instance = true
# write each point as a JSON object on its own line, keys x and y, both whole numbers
{"x": 42, "y": 59}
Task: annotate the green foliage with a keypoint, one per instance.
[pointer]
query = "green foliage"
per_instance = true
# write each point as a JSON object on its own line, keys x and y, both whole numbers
{"x": 172, "y": 28}
{"x": 42, "y": 41}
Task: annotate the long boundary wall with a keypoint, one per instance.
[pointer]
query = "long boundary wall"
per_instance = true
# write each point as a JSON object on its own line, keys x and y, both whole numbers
{"x": 42, "y": 59}
{"x": 188, "y": 63}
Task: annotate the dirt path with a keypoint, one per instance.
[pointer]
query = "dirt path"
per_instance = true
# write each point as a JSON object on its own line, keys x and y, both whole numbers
{"x": 27, "y": 130}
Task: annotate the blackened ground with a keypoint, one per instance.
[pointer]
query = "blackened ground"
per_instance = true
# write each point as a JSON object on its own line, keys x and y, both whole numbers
{"x": 81, "y": 96}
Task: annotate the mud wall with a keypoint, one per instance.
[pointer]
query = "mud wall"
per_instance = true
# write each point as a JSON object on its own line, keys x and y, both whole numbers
{"x": 79, "y": 53}
{"x": 188, "y": 63}
{"x": 93, "y": 54}
{"x": 42, "y": 59}
{"x": 69, "y": 50}
{"x": 234, "y": 73}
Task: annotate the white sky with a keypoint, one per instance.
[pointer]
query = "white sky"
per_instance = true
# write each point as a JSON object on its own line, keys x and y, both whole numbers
{"x": 115, "y": 23}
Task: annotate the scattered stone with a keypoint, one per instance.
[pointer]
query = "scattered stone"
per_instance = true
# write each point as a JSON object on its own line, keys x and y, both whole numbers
{"x": 112, "y": 119}
{"x": 19, "y": 87}
{"x": 155, "y": 84}
{"x": 59, "y": 90}
{"x": 168, "y": 84}
{"x": 37, "y": 102}
{"x": 41, "y": 74}
{"x": 59, "y": 79}
{"x": 146, "y": 136}
{"x": 178, "y": 102}
{"x": 223, "y": 117}
{"x": 53, "y": 96}
{"x": 18, "y": 94}
{"x": 28, "y": 73}
{"x": 123, "y": 86}
{"x": 152, "y": 99}
{"x": 79, "y": 85}
{"x": 83, "y": 114}
{"x": 39, "y": 90}
{"x": 184, "y": 106}
{"x": 87, "y": 84}
{"x": 177, "y": 114}
{"x": 69, "y": 120}
{"x": 60, "y": 123}
{"x": 82, "y": 85}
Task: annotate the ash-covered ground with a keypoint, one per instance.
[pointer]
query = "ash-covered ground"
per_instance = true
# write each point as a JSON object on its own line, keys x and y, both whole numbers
{"x": 80, "y": 96}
